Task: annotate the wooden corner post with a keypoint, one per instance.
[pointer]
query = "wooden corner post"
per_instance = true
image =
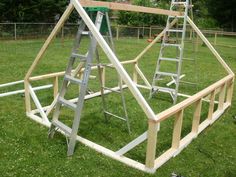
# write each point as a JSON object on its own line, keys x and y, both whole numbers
{"x": 151, "y": 143}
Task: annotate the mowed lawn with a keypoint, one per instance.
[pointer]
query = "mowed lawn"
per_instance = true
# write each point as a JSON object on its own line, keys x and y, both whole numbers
{"x": 25, "y": 149}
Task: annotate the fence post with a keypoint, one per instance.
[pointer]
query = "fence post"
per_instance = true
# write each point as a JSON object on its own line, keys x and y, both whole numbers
{"x": 117, "y": 32}
{"x": 150, "y": 32}
{"x": 15, "y": 31}
{"x": 215, "y": 38}
{"x": 62, "y": 36}
{"x": 138, "y": 33}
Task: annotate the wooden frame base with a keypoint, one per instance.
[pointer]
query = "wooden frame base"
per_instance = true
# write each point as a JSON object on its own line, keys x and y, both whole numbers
{"x": 223, "y": 87}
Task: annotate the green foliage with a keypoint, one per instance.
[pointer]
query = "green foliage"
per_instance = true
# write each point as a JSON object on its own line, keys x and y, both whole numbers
{"x": 31, "y": 11}
{"x": 143, "y": 19}
{"x": 224, "y": 12}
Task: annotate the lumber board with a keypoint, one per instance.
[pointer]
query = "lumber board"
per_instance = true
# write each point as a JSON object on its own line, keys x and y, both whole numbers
{"x": 182, "y": 105}
{"x": 128, "y": 7}
{"x": 151, "y": 144}
{"x": 154, "y": 41}
{"x": 212, "y": 49}
{"x": 222, "y": 97}
{"x": 115, "y": 61}
{"x": 140, "y": 73}
{"x": 197, "y": 116}
{"x": 132, "y": 144}
{"x": 177, "y": 129}
{"x": 52, "y": 75}
{"x": 230, "y": 90}
{"x": 212, "y": 105}
{"x": 49, "y": 39}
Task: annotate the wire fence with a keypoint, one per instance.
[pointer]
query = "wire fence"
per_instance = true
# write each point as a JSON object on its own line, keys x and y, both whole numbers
{"x": 16, "y": 31}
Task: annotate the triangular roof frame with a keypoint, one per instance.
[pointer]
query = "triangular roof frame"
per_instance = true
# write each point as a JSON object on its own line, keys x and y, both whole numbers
{"x": 224, "y": 87}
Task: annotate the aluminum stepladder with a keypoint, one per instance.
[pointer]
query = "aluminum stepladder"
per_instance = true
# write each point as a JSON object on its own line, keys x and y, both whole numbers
{"x": 70, "y": 78}
{"x": 159, "y": 74}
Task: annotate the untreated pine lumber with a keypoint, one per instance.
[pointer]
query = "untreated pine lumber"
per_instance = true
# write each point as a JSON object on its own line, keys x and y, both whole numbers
{"x": 128, "y": 7}
{"x": 151, "y": 144}
{"x": 182, "y": 105}
{"x": 155, "y": 40}
{"x": 204, "y": 39}
{"x": 177, "y": 129}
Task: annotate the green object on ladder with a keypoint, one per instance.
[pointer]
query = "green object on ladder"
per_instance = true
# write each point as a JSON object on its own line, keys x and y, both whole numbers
{"x": 92, "y": 11}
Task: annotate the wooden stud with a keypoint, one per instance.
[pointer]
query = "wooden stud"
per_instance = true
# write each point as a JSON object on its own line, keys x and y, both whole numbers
{"x": 55, "y": 87}
{"x": 177, "y": 129}
{"x": 222, "y": 97}
{"x": 230, "y": 91}
{"x": 182, "y": 105}
{"x": 135, "y": 74}
{"x": 212, "y": 105}
{"x": 27, "y": 97}
{"x": 151, "y": 144}
{"x": 197, "y": 116}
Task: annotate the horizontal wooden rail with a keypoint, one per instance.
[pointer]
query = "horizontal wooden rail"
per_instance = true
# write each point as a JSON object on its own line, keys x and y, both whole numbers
{"x": 182, "y": 105}
{"x": 223, "y": 87}
{"x": 128, "y": 7}
{"x": 57, "y": 74}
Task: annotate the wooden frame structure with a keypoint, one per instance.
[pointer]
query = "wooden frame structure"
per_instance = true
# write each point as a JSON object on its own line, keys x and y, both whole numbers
{"x": 223, "y": 88}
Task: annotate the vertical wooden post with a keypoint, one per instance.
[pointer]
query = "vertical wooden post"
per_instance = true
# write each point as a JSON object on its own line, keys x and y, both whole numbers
{"x": 135, "y": 74}
{"x": 212, "y": 105}
{"x": 197, "y": 116}
{"x": 230, "y": 91}
{"x": 27, "y": 96}
{"x": 117, "y": 32}
{"x": 55, "y": 87}
{"x": 151, "y": 144}
{"x": 177, "y": 129}
{"x": 222, "y": 97}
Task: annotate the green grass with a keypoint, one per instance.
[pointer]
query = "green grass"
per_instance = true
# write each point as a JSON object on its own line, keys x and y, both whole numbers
{"x": 25, "y": 149}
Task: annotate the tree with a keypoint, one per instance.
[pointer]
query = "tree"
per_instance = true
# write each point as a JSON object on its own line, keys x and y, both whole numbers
{"x": 224, "y": 12}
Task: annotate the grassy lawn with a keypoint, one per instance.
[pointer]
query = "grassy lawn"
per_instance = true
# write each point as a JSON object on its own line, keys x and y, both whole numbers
{"x": 25, "y": 149}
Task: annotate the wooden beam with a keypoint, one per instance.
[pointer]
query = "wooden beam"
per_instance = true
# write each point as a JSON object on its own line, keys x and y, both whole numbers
{"x": 222, "y": 97}
{"x": 115, "y": 61}
{"x": 197, "y": 116}
{"x": 177, "y": 129}
{"x": 154, "y": 41}
{"x": 151, "y": 144}
{"x": 128, "y": 7}
{"x": 212, "y": 105}
{"x": 182, "y": 105}
{"x": 230, "y": 89}
{"x": 55, "y": 87}
{"x": 204, "y": 39}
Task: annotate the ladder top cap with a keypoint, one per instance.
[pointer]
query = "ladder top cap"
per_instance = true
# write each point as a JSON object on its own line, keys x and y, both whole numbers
{"x": 96, "y": 9}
